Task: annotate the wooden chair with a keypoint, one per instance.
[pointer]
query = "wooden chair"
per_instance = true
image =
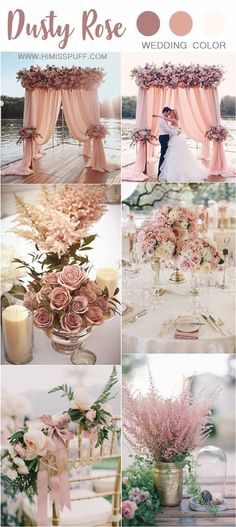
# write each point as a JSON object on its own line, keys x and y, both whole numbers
{"x": 94, "y": 506}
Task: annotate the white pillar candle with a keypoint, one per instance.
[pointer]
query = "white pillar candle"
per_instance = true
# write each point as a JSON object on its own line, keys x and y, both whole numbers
{"x": 107, "y": 277}
{"x": 17, "y": 334}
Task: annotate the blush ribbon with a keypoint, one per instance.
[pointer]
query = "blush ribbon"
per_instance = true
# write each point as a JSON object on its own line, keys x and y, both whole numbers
{"x": 53, "y": 475}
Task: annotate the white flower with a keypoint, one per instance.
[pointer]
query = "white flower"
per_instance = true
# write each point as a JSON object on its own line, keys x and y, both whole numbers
{"x": 37, "y": 443}
{"x": 8, "y": 471}
{"x": 14, "y": 405}
{"x": 81, "y": 400}
{"x": 22, "y": 467}
{"x": 10, "y": 273}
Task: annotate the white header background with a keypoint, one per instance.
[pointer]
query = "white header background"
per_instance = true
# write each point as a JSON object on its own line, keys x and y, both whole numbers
{"x": 123, "y": 11}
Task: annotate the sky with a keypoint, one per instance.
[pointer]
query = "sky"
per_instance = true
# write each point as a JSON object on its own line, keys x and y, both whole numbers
{"x": 130, "y": 60}
{"x": 169, "y": 370}
{"x": 11, "y": 63}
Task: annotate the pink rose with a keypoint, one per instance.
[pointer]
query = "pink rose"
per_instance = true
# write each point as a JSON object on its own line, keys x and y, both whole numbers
{"x": 42, "y": 318}
{"x": 30, "y": 300}
{"x": 94, "y": 287}
{"x": 88, "y": 293}
{"x": 44, "y": 293}
{"x": 91, "y": 415}
{"x": 79, "y": 304}
{"x": 20, "y": 450}
{"x": 186, "y": 265}
{"x": 128, "y": 509}
{"x": 81, "y": 400}
{"x": 71, "y": 277}
{"x": 125, "y": 480}
{"x": 37, "y": 443}
{"x": 59, "y": 298}
{"x": 49, "y": 278}
{"x": 94, "y": 315}
{"x": 103, "y": 303}
{"x": 71, "y": 322}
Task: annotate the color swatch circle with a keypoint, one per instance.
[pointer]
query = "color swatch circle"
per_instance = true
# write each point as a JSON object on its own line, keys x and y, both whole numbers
{"x": 148, "y": 23}
{"x": 213, "y": 23}
{"x": 181, "y": 23}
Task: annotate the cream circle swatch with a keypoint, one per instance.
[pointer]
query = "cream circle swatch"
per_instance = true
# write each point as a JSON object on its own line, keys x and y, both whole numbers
{"x": 213, "y": 23}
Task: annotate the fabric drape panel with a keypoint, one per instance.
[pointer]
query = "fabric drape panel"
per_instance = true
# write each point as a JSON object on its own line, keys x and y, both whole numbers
{"x": 81, "y": 110}
{"x": 141, "y": 122}
{"x": 45, "y": 110}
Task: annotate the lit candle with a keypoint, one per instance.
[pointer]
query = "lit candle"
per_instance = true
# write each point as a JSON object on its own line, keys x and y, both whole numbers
{"x": 17, "y": 334}
{"x": 107, "y": 277}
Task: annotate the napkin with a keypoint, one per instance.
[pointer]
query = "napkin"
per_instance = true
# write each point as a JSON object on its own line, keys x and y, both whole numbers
{"x": 187, "y": 336}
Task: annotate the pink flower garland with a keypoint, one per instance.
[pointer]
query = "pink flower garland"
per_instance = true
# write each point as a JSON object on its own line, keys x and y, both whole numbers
{"x": 177, "y": 76}
{"x": 97, "y": 131}
{"x": 60, "y": 78}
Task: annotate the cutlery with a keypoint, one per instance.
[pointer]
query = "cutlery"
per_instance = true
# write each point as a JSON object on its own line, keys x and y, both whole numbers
{"x": 135, "y": 317}
{"x": 189, "y": 323}
{"x": 219, "y": 326}
{"x": 210, "y": 322}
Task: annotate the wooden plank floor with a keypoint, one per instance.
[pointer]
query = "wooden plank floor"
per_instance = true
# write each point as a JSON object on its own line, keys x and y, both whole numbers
{"x": 65, "y": 164}
{"x": 152, "y": 174}
{"x": 182, "y": 516}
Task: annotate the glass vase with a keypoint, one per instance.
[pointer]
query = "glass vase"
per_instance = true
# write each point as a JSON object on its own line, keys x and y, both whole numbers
{"x": 72, "y": 344}
{"x": 210, "y": 473}
{"x": 156, "y": 267}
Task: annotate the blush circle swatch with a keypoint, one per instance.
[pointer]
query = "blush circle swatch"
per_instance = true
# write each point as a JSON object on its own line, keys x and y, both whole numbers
{"x": 148, "y": 23}
{"x": 213, "y": 23}
{"x": 181, "y": 23}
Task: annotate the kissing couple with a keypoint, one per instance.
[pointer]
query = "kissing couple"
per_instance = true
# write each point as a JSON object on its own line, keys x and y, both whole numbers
{"x": 177, "y": 164}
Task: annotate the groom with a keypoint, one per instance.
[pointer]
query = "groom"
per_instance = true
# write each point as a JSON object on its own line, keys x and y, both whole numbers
{"x": 165, "y": 131}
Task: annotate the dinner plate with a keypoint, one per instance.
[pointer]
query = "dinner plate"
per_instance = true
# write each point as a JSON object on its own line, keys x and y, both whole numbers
{"x": 187, "y": 323}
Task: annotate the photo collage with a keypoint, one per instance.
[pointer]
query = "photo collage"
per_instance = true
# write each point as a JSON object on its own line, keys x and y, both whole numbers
{"x": 118, "y": 288}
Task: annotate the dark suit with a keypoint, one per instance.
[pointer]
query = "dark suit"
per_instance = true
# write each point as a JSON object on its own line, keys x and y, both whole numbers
{"x": 163, "y": 140}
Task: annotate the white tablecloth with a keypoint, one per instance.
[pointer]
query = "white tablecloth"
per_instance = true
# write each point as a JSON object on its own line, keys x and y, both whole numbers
{"x": 143, "y": 335}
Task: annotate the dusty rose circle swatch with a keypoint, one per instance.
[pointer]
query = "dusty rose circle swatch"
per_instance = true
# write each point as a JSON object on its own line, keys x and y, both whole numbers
{"x": 148, "y": 23}
{"x": 181, "y": 23}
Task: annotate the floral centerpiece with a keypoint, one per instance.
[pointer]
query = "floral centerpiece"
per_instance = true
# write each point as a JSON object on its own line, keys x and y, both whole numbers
{"x": 28, "y": 134}
{"x": 217, "y": 133}
{"x": 198, "y": 254}
{"x": 156, "y": 241}
{"x": 181, "y": 220}
{"x": 165, "y": 431}
{"x": 177, "y": 75}
{"x": 60, "y": 78}
{"x": 98, "y": 131}
{"x": 59, "y": 290}
{"x": 36, "y": 459}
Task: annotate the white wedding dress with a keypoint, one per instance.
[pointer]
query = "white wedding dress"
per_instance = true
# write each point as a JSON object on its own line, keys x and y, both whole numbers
{"x": 180, "y": 165}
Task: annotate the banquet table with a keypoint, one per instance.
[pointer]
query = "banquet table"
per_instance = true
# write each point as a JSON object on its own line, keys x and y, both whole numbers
{"x": 146, "y": 334}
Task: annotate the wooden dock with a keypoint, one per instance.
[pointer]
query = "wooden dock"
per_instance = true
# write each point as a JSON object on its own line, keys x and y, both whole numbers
{"x": 66, "y": 164}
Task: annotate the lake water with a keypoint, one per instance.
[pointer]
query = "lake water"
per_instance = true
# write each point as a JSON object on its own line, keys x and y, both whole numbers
{"x": 10, "y": 130}
{"x": 129, "y": 153}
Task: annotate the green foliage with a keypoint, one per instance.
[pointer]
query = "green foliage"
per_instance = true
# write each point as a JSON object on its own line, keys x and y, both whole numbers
{"x": 105, "y": 396}
{"x": 140, "y": 476}
{"x": 65, "y": 389}
{"x": 13, "y": 107}
{"x": 129, "y": 107}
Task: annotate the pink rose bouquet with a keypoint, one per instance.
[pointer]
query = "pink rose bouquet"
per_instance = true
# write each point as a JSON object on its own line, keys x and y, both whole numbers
{"x": 28, "y": 134}
{"x": 97, "y": 131}
{"x": 68, "y": 300}
{"x": 157, "y": 241}
{"x": 142, "y": 135}
{"x": 181, "y": 220}
{"x": 217, "y": 133}
{"x": 198, "y": 254}
{"x": 60, "y": 78}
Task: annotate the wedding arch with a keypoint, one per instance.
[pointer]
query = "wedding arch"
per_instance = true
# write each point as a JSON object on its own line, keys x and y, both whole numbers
{"x": 76, "y": 89}
{"x": 192, "y": 90}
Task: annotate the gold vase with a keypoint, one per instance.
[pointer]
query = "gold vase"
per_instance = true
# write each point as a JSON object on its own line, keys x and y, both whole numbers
{"x": 168, "y": 479}
{"x": 156, "y": 266}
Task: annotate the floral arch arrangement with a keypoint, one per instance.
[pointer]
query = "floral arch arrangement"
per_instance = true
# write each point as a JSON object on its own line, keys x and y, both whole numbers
{"x": 46, "y": 91}
{"x": 192, "y": 90}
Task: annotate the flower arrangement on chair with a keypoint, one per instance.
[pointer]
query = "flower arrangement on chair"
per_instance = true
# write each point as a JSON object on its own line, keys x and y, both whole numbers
{"x": 36, "y": 460}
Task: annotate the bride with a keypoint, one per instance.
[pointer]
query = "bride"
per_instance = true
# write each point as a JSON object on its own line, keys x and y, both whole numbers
{"x": 179, "y": 165}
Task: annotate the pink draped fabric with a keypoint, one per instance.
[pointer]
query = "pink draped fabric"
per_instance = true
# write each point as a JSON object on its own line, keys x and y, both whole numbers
{"x": 198, "y": 110}
{"x": 41, "y": 109}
